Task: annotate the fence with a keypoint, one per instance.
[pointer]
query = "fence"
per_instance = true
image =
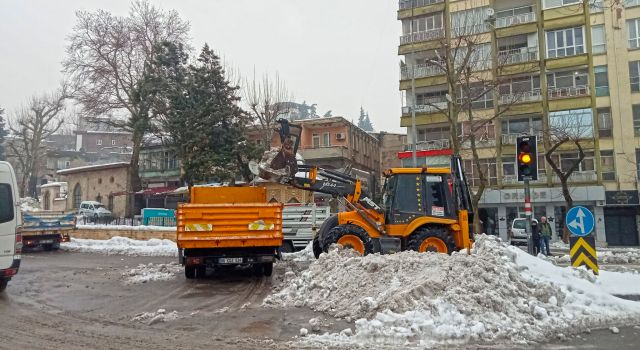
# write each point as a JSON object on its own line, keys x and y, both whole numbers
{"x": 135, "y": 221}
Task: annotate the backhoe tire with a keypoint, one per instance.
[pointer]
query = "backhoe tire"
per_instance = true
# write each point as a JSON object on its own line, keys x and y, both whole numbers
{"x": 431, "y": 239}
{"x": 317, "y": 249}
{"x": 349, "y": 236}
{"x": 190, "y": 272}
{"x": 318, "y": 239}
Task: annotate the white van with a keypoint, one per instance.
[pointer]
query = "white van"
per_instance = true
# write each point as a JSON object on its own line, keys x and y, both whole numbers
{"x": 517, "y": 233}
{"x": 10, "y": 221}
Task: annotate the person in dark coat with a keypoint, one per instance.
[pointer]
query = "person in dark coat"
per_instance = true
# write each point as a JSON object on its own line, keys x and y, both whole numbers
{"x": 535, "y": 236}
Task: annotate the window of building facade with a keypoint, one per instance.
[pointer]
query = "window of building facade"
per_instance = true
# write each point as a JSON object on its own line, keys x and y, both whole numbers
{"x": 488, "y": 167}
{"x": 565, "y": 42}
{"x": 598, "y": 41}
{"x": 557, "y": 3}
{"x": 575, "y": 122}
{"x": 77, "y": 196}
{"x": 636, "y": 119}
{"x": 434, "y": 133}
{"x": 471, "y": 21}
{"x": 326, "y": 139}
{"x": 426, "y": 98}
{"x": 99, "y": 142}
{"x": 605, "y": 124}
{"x": 602, "y": 80}
{"x": 519, "y": 126}
{"x": 509, "y": 166}
{"x": 110, "y": 202}
{"x": 483, "y": 130}
{"x": 422, "y": 23}
{"x": 520, "y": 85}
{"x": 566, "y": 161}
{"x": 479, "y": 59}
{"x": 596, "y": 6}
{"x": 633, "y": 33}
{"x": 316, "y": 140}
{"x": 607, "y": 165}
{"x": 113, "y": 142}
{"x": 568, "y": 79}
{"x": 634, "y": 75}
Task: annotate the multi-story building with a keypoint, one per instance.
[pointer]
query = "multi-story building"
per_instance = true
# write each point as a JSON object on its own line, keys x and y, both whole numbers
{"x": 582, "y": 62}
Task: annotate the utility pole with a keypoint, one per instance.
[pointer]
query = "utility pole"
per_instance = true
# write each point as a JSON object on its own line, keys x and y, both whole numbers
{"x": 529, "y": 216}
{"x": 414, "y": 133}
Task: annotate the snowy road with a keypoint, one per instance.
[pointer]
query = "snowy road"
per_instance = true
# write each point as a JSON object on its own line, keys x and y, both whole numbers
{"x": 75, "y": 300}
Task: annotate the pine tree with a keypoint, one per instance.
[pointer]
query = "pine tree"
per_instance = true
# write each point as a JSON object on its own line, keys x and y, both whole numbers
{"x": 364, "y": 122}
{"x": 327, "y": 114}
{"x": 3, "y": 133}
{"x": 368, "y": 124}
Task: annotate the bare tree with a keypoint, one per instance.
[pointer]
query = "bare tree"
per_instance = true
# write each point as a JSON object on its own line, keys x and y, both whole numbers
{"x": 567, "y": 130}
{"x": 267, "y": 101}
{"x": 106, "y": 56}
{"x": 32, "y": 124}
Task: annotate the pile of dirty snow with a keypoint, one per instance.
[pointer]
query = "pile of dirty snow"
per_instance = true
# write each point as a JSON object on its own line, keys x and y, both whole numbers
{"x": 155, "y": 317}
{"x": 616, "y": 256}
{"x": 144, "y": 273}
{"x": 498, "y": 293}
{"x": 304, "y": 255}
{"x": 123, "y": 246}
{"x": 29, "y": 204}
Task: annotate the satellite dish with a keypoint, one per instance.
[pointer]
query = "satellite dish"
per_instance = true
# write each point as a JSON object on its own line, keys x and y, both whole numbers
{"x": 253, "y": 167}
{"x": 490, "y": 12}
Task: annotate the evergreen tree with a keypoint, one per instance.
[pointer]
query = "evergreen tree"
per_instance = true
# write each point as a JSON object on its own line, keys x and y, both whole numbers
{"x": 364, "y": 122}
{"x": 3, "y": 133}
{"x": 327, "y": 114}
{"x": 368, "y": 124}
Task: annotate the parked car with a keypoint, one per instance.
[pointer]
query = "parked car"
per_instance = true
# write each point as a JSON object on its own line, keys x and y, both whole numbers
{"x": 94, "y": 210}
{"x": 517, "y": 231}
{"x": 10, "y": 221}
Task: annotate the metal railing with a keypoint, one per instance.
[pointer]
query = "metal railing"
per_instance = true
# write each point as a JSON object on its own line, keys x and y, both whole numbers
{"x": 513, "y": 179}
{"x": 579, "y": 176}
{"x": 421, "y": 71}
{"x": 510, "y": 139}
{"x": 434, "y": 107}
{"x": 571, "y": 91}
{"x": 422, "y": 36}
{"x": 520, "y": 55}
{"x": 524, "y": 96}
{"x": 508, "y": 21}
{"x": 407, "y": 4}
{"x": 430, "y": 145}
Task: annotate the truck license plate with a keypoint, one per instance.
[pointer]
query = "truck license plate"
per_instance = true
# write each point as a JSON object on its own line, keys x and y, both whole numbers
{"x": 230, "y": 260}
{"x": 46, "y": 241}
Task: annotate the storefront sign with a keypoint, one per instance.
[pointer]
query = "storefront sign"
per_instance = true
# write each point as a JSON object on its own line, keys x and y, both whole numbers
{"x": 511, "y": 196}
{"x": 622, "y": 197}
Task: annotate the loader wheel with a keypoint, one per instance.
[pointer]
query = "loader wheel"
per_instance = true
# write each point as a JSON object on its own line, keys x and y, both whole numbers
{"x": 318, "y": 239}
{"x": 317, "y": 249}
{"x": 349, "y": 236}
{"x": 432, "y": 239}
{"x": 190, "y": 272}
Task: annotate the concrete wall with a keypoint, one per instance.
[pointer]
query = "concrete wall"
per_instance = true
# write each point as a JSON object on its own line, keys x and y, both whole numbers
{"x": 134, "y": 234}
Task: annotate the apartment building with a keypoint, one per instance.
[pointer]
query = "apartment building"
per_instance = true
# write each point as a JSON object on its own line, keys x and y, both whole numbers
{"x": 565, "y": 60}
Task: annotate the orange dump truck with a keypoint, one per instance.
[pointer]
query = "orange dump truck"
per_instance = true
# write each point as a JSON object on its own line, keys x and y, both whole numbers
{"x": 227, "y": 226}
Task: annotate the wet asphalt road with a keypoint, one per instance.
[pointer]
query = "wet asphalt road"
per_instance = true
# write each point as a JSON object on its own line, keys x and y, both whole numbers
{"x": 62, "y": 300}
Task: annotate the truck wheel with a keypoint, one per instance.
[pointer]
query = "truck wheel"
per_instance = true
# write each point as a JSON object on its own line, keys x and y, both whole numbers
{"x": 349, "y": 236}
{"x": 268, "y": 269}
{"x": 287, "y": 247}
{"x": 317, "y": 249}
{"x": 431, "y": 239}
{"x": 3, "y": 285}
{"x": 201, "y": 271}
{"x": 47, "y": 247}
{"x": 258, "y": 269}
{"x": 190, "y": 272}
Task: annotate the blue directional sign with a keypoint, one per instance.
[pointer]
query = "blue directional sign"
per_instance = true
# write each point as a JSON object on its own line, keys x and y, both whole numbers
{"x": 580, "y": 221}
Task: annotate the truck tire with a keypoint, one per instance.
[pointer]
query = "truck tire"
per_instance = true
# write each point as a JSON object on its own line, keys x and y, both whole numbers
{"x": 268, "y": 269}
{"x": 3, "y": 285}
{"x": 47, "y": 247}
{"x": 431, "y": 239}
{"x": 349, "y": 236}
{"x": 201, "y": 271}
{"x": 258, "y": 270}
{"x": 287, "y": 247}
{"x": 317, "y": 249}
{"x": 190, "y": 272}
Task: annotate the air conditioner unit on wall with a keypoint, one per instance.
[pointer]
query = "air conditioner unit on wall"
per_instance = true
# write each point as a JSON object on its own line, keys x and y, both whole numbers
{"x": 340, "y": 136}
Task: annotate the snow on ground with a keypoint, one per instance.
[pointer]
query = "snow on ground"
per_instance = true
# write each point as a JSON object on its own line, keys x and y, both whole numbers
{"x": 304, "y": 255}
{"x": 499, "y": 293}
{"x": 607, "y": 256}
{"x": 144, "y": 273}
{"x": 123, "y": 246}
{"x": 29, "y": 204}
{"x": 155, "y": 317}
{"x": 126, "y": 227}
{"x": 619, "y": 283}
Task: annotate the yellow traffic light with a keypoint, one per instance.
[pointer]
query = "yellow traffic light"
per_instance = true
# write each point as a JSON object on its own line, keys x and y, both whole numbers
{"x": 525, "y": 158}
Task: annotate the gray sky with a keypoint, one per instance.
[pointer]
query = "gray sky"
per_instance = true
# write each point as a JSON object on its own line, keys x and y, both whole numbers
{"x": 340, "y": 54}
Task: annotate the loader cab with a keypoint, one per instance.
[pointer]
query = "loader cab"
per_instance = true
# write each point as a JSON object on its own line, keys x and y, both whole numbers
{"x": 411, "y": 193}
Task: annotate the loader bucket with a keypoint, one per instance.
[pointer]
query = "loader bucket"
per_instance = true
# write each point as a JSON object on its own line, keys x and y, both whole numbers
{"x": 280, "y": 164}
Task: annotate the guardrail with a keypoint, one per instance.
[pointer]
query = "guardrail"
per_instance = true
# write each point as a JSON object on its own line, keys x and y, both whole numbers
{"x": 572, "y": 91}
{"x": 508, "y": 21}
{"x": 422, "y": 36}
{"x": 521, "y": 55}
{"x": 525, "y": 96}
{"x": 408, "y": 4}
{"x": 429, "y": 145}
{"x": 435, "y": 107}
{"x": 510, "y": 139}
{"x": 420, "y": 71}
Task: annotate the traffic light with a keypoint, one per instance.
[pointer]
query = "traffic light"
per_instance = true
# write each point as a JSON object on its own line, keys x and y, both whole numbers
{"x": 527, "y": 158}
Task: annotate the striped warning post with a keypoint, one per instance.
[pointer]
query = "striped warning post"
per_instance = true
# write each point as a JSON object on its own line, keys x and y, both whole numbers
{"x": 583, "y": 253}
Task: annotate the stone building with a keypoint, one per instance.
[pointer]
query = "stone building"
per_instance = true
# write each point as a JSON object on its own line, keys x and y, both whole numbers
{"x": 105, "y": 183}
{"x": 54, "y": 196}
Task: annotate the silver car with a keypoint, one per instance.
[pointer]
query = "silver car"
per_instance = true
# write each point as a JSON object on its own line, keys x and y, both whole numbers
{"x": 94, "y": 210}
{"x": 517, "y": 231}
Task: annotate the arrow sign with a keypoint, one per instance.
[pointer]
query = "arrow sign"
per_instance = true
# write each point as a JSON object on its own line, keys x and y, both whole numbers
{"x": 580, "y": 221}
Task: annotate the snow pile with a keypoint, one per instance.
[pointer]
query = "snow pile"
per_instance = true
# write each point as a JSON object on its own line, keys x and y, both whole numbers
{"x": 151, "y": 272}
{"x": 499, "y": 293}
{"x": 123, "y": 246}
{"x": 608, "y": 256}
{"x": 305, "y": 255}
{"x": 151, "y": 318}
{"x": 29, "y": 204}
{"x": 127, "y": 227}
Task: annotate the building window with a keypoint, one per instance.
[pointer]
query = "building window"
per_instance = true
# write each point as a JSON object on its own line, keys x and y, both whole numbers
{"x": 638, "y": 163}
{"x": 315, "y": 140}
{"x": 571, "y": 83}
{"x": 113, "y": 142}
{"x": 326, "y": 139}
{"x": 636, "y": 119}
{"x": 110, "y": 203}
{"x": 111, "y": 179}
{"x": 605, "y": 123}
{"x": 77, "y": 196}
{"x": 479, "y": 59}
{"x": 99, "y": 181}
{"x": 509, "y": 166}
{"x": 489, "y": 169}
{"x": 634, "y": 75}
{"x": 596, "y": 6}
{"x": 472, "y": 21}
{"x": 429, "y": 98}
{"x": 566, "y": 161}
{"x": 512, "y": 128}
{"x": 565, "y": 42}
{"x": 607, "y": 165}
{"x": 99, "y": 142}
{"x": 598, "y": 42}
{"x": 67, "y": 164}
{"x": 99, "y": 198}
{"x": 479, "y": 96}
{"x": 557, "y": 3}
{"x": 574, "y": 122}
{"x": 602, "y": 81}
{"x": 422, "y": 24}
{"x": 633, "y": 33}
{"x": 483, "y": 130}
{"x": 434, "y": 134}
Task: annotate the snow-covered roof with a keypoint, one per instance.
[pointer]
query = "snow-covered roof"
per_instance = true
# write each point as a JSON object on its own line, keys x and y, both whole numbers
{"x": 93, "y": 168}
{"x": 53, "y": 184}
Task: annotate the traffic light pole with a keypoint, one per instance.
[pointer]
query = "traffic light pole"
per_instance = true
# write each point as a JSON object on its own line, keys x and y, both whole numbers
{"x": 528, "y": 214}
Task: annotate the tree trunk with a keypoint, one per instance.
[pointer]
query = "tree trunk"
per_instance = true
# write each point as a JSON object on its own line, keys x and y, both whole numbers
{"x": 134, "y": 184}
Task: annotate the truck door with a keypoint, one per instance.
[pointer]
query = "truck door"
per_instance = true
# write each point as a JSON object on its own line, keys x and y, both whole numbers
{"x": 407, "y": 198}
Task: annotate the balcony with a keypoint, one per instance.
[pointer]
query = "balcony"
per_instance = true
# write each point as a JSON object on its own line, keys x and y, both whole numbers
{"x": 513, "y": 180}
{"x": 513, "y": 20}
{"x": 433, "y": 107}
{"x": 567, "y": 92}
{"x": 521, "y": 97}
{"x": 422, "y": 36}
{"x": 579, "y": 176}
{"x": 520, "y": 55}
{"x": 421, "y": 71}
{"x": 430, "y": 145}
{"x": 409, "y": 4}
{"x": 510, "y": 139}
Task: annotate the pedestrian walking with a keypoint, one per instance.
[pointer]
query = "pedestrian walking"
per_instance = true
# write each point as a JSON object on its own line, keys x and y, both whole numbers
{"x": 535, "y": 237}
{"x": 545, "y": 235}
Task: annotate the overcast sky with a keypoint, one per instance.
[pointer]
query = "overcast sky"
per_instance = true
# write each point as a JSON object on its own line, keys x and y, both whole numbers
{"x": 340, "y": 54}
